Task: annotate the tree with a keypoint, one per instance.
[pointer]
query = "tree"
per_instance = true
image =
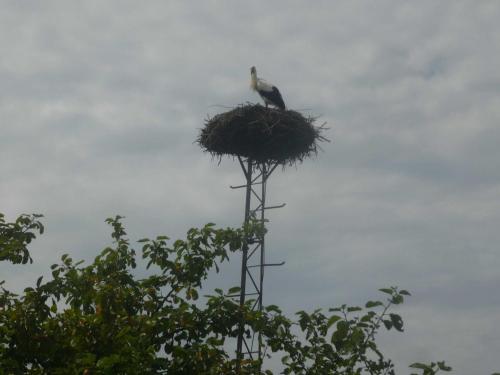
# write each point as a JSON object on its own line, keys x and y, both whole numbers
{"x": 101, "y": 319}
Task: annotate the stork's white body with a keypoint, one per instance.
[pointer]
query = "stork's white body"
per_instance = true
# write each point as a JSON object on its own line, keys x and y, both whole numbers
{"x": 269, "y": 93}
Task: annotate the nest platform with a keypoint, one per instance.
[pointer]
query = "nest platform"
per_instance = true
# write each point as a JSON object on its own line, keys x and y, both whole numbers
{"x": 261, "y": 134}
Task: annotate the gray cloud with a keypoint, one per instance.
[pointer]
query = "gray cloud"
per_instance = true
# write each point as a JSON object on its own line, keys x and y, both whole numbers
{"x": 101, "y": 103}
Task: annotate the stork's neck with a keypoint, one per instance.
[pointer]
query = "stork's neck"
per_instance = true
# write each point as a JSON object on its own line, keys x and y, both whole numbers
{"x": 253, "y": 81}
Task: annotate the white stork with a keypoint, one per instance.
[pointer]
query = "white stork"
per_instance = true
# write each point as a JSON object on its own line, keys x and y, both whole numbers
{"x": 269, "y": 93}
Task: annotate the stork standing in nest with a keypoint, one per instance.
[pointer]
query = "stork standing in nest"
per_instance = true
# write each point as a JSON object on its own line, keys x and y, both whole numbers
{"x": 269, "y": 93}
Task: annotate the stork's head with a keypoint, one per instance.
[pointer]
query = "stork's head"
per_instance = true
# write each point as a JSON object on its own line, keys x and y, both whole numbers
{"x": 253, "y": 80}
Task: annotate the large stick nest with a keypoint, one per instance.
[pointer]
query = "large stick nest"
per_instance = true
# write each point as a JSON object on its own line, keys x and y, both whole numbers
{"x": 261, "y": 134}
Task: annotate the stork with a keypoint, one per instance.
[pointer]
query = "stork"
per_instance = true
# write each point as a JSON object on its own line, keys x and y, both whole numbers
{"x": 269, "y": 93}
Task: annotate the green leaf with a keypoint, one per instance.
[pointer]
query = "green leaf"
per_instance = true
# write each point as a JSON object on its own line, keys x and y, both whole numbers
{"x": 234, "y": 290}
{"x": 357, "y": 336}
{"x": 341, "y": 333}
{"x": 442, "y": 366}
{"x": 273, "y": 308}
{"x": 386, "y": 290}
{"x": 332, "y": 320}
{"x": 387, "y": 324}
{"x": 354, "y": 308}
{"x": 371, "y": 304}
{"x": 397, "y": 299}
{"x": 404, "y": 292}
{"x": 335, "y": 309}
{"x": 421, "y": 366}
{"x": 397, "y": 322}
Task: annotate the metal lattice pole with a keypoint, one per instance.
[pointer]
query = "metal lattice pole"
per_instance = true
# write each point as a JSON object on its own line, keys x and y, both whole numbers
{"x": 256, "y": 173}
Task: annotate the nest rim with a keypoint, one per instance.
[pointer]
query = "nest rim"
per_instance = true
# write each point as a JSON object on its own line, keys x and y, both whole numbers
{"x": 262, "y": 134}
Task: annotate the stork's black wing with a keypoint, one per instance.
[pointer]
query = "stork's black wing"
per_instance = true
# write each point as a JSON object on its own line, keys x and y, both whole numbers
{"x": 273, "y": 97}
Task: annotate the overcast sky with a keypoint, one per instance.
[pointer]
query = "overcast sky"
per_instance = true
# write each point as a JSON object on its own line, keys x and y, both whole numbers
{"x": 101, "y": 102}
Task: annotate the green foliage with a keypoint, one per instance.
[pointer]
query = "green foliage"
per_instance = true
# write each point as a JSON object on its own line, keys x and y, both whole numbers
{"x": 102, "y": 319}
{"x": 15, "y": 237}
{"x": 343, "y": 342}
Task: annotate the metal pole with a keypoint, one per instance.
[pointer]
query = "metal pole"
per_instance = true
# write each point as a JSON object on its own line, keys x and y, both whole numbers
{"x": 262, "y": 252}
{"x": 255, "y": 174}
{"x": 239, "y": 348}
